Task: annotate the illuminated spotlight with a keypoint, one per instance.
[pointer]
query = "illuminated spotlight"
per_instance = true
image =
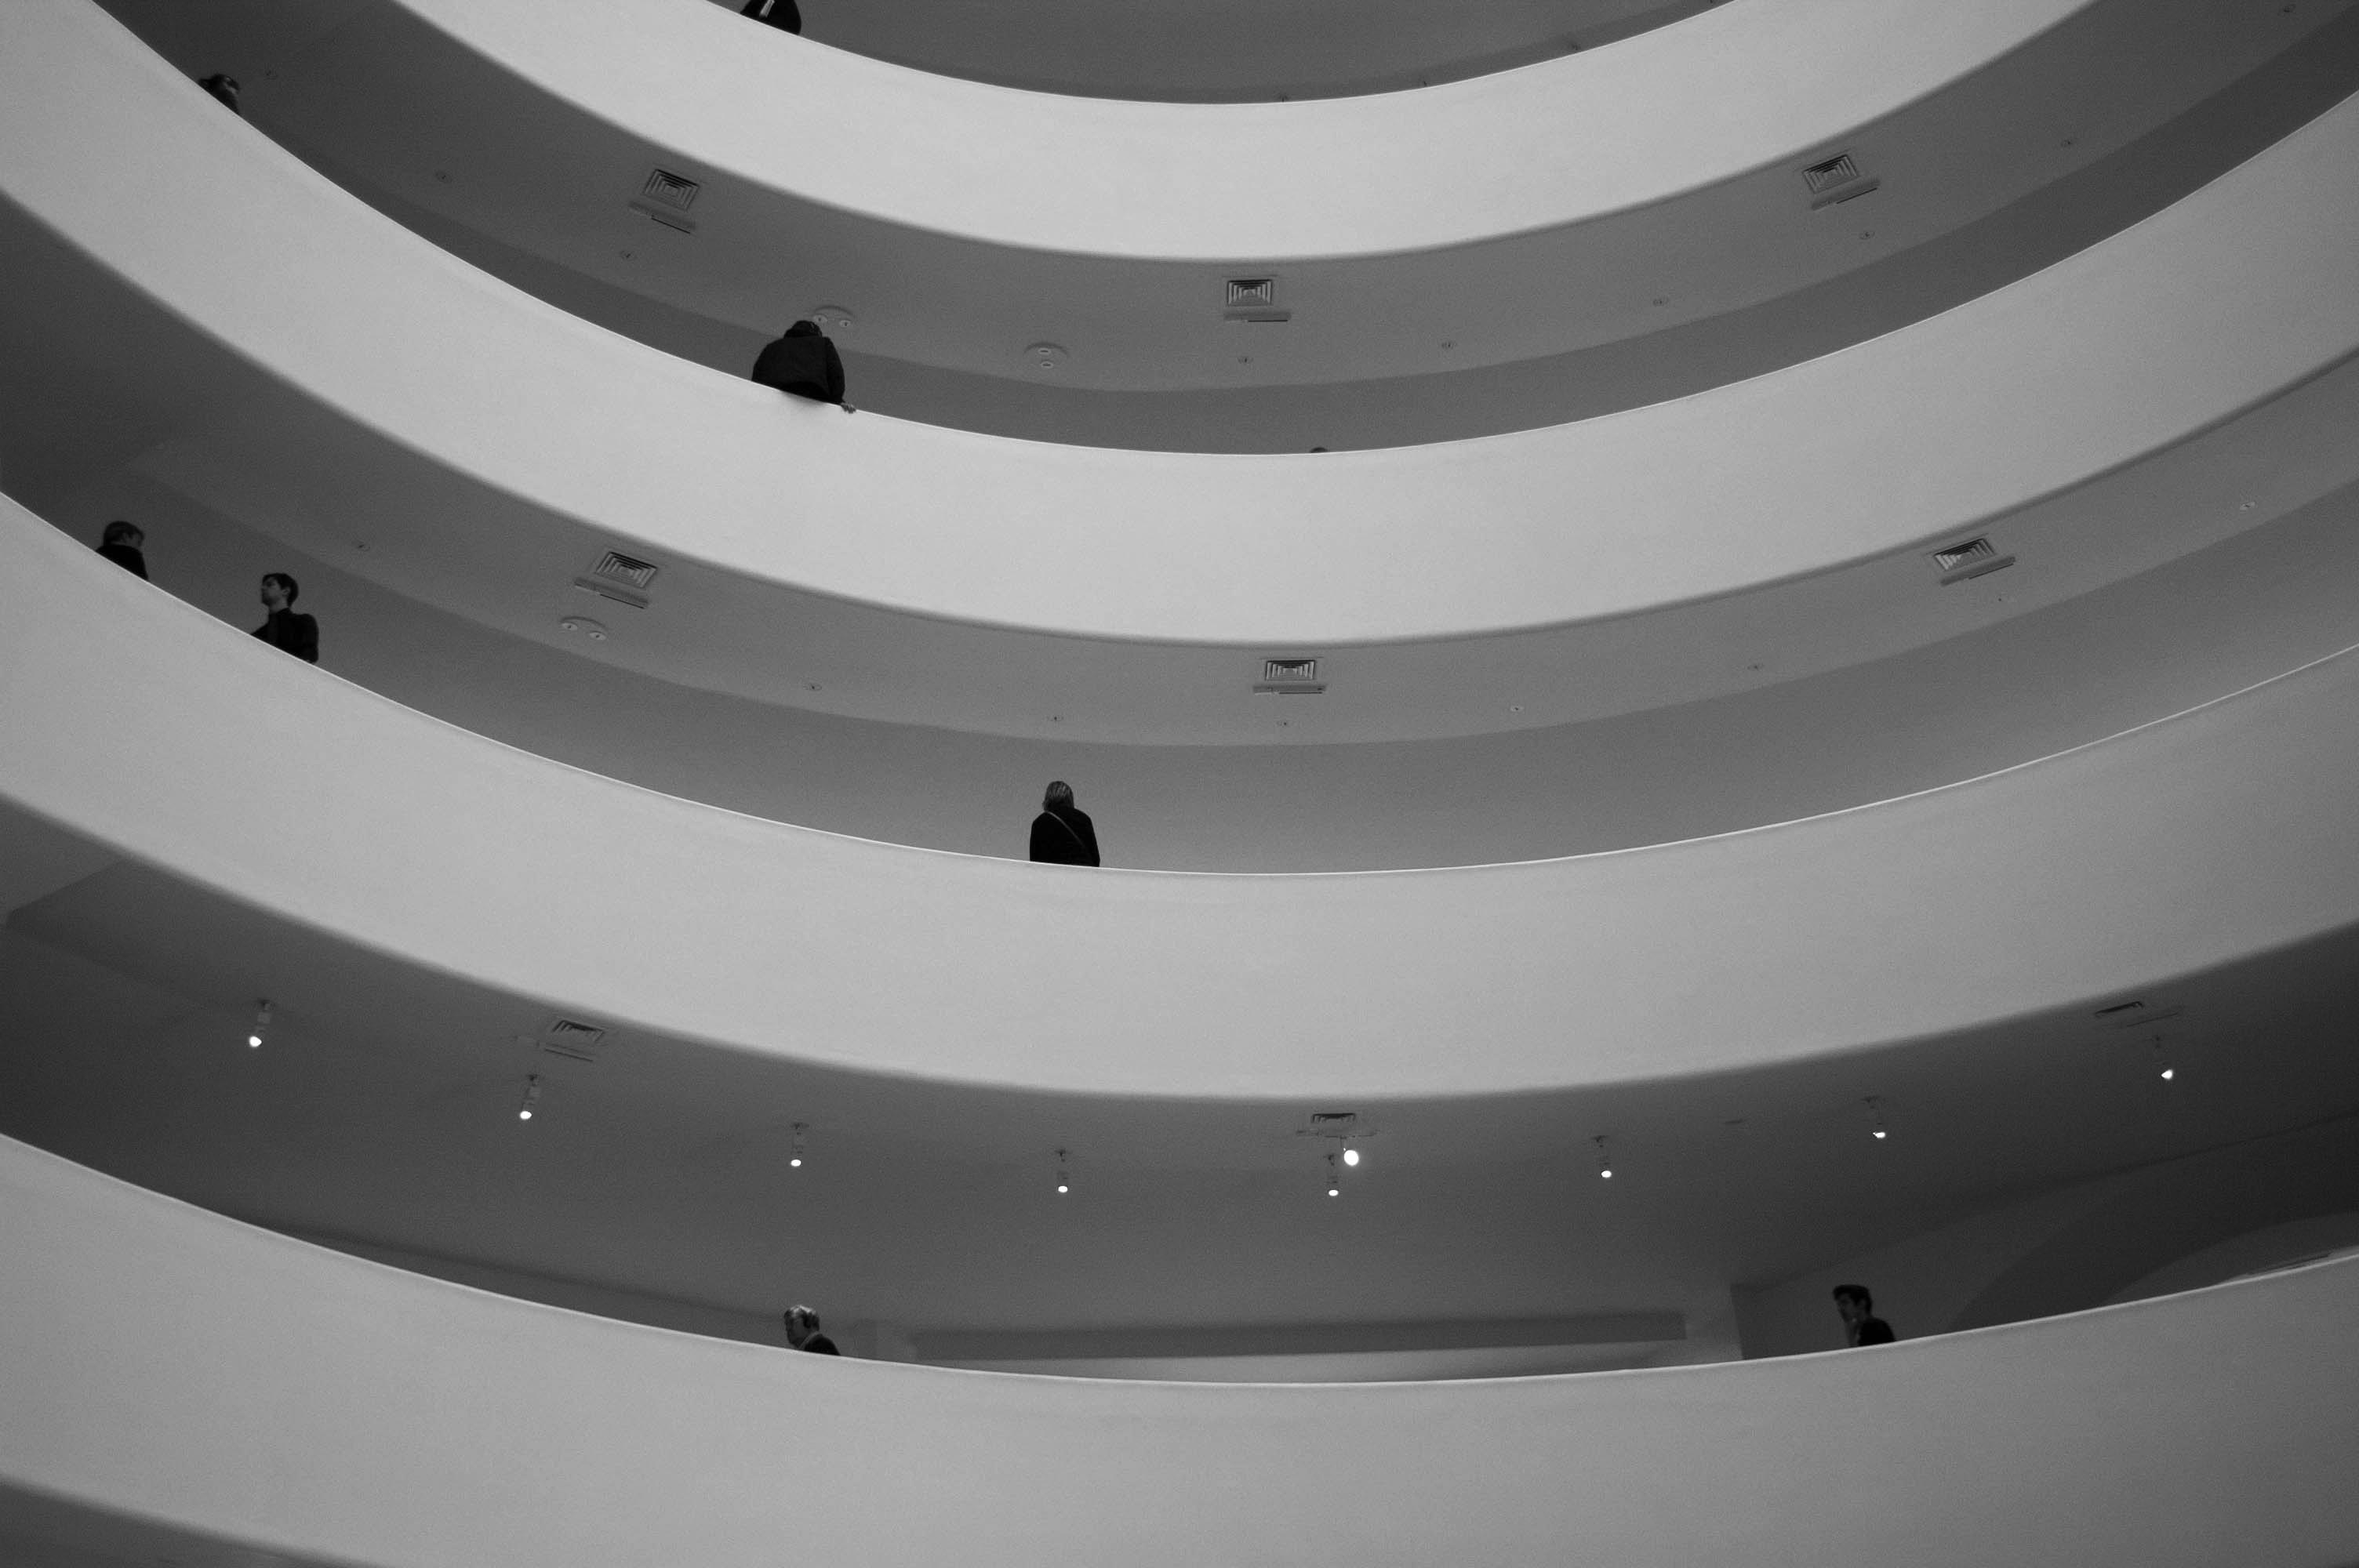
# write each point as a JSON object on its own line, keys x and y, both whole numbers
{"x": 2167, "y": 1074}
{"x": 795, "y": 1155}
{"x": 531, "y": 1101}
{"x": 1605, "y": 1160}
{"x": 261, "y": 1024}
{"x": 1334, "y": 1178}
{"x": 1875, "y": 1118}
{"x": 1350, "y": 1156}
{"x": 2168, "y": 1071}
{"x": 1064, "y": 1173}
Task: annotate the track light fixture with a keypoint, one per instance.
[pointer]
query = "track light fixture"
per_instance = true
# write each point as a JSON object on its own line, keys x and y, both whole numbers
{"x": 1064, "y": 1171}
{"x": 2163, "y": 1068}
{"x": 261, "y": 1024}
{"x": 795, "y": 1155}
{"x": 531, "y": 1101}
{"x": 1604, "y": 1160}
{"x": 1875, "y": 1118}
{"x": 1334, "y": 1177}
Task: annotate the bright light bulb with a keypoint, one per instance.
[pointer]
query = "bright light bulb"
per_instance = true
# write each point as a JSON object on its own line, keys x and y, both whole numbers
{"x": 1879, "y": 1132}
{"x": 1350, "y": 1156}
{"x": 254, "y": 1040}
{"x": 2167, "y": 1075}
{"x": 797, "y": 1163}
{"x": 1334, "y": 1192}
{"x": 1061, "y": 1187}
{"x": 532, "y": 1096}
{"x": 1604, "y": 1174}
{"x": 525, "y": 1115}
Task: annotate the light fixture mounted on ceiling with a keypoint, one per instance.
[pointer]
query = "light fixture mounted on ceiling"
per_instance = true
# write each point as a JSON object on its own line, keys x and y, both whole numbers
{"x": 261, "y": 1024}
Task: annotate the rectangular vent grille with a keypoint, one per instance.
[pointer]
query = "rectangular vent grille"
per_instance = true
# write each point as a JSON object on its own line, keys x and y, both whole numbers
{"x": 616, "y": 567}
{"x": 1289, "y": 677}
{"x": 568, "y": 1037}
{"x": 1971, "y": 559}
{"x": 1245, "y": 293}
{"x": 1837, "y": 170}
{"x": 1836, "y": 181}
{"x": 665, "y": 188}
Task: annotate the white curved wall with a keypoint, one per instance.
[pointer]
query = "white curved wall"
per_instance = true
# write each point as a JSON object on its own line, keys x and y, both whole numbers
{"x": 1682, "y": 107}
{"x": 2215, "y": 835}
{"x": 2240, "y": 292}
{"x": 169, "y": 1364}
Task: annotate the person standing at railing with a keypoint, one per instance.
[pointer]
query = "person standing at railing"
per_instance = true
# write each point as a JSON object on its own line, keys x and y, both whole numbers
{"x": 287, "y": 631}
{"x": 803, "y": 1333}
{"x": 802, "y": 362}
{"x": 1062, "y": 834}
{"x": 1860, "y": 1325}
{"x": 780, "y": 14}
{"x": 123, "y": 544}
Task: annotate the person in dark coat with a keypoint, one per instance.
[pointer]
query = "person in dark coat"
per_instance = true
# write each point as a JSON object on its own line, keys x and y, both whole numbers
{"x": 804, "y": 365}
{"x": 286, "y": 631}
{"x": 123, "y": 543}
{"x": 1062, "y": 834}
{"x": 780, "y": 14}
{"x": 1860, "y": 1325}
{"x": 803, "y": 1333}
{"x": 223, "y": 87}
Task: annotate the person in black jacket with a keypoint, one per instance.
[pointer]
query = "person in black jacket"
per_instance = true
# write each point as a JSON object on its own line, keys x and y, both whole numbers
{"x": 223, "y": 87}
{"x": 1062, "y": 834}
{"x": 122, "y": 543}
{"x": 286, "y": 631}
{"x": 804, "y": 365}
{"x": 780, "y": 14}
{"x": 1860, "y": 1325}
{"x": 803, "y": 1333}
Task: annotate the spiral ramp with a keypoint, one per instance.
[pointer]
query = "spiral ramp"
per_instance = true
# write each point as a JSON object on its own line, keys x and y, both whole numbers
{"x": 1860, "y": 752}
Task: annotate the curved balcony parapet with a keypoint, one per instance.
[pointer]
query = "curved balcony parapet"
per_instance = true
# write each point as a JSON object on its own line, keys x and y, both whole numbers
{"x": 169, "y": 1367}
{"x": 2175, "y": 848}
{"x": 1682, "y": 107}
{"x": 2213, "y": 307}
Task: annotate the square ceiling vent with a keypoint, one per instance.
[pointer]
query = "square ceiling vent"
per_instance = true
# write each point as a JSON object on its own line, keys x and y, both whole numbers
{"x": 571, "y": 1037}
{"x": 1975, "y": 558}
{"x": 1289, "y": 677}
{"x": 665, "y": 197}
{"x": 1835, "y": 180}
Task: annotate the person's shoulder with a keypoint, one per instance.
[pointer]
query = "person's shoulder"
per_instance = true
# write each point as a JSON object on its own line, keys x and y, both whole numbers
{"x": 1876, "y": 1331}
{"x": 821, "y": 1344}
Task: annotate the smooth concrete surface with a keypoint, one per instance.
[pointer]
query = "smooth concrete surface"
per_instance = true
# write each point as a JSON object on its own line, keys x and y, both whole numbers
{"x": 418, "y": 121}
{"x": 193, "y": 1373}
{"x": 2227, "y": 299}
{"x": 1465, "y": 162}
{"x": 2180, "y": 845}
{"x": 2169, "y": 1224}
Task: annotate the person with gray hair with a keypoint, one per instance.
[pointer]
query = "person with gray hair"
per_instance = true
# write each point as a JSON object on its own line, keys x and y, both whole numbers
{"x": 1062, "y": 834}
{"x": 802, "y": 1332}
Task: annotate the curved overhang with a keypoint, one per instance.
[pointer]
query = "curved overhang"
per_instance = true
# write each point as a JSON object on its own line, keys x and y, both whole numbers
{"x": 183, "y": 1373}
{"x": 491, "y": 131}
{"x": 2182, "y": 846}
{"x": 453, "y": 420}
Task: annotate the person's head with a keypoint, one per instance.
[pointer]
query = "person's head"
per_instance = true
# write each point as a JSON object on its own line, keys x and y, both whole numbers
{"x": 1854, "y": 1303}
{"x": 1058, "y": 797}
{"x": 801, "y": 1324}
{"x": 278, "y": 592}
{"x": 804, "y": 330}
{"x": 121, "y": 533}
{"x": 222, "y": 86}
